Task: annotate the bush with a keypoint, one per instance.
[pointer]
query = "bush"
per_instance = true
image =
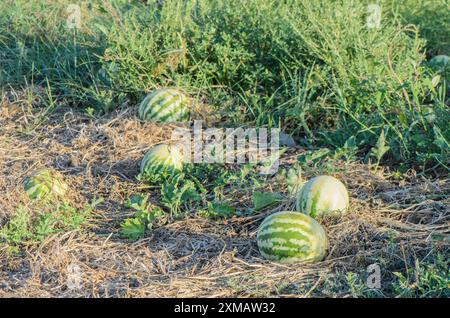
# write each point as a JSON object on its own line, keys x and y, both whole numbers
{"x": 313, "y": 68}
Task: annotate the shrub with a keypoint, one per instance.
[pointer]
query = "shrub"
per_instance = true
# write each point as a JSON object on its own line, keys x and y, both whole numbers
{"x": 315, "y": 69}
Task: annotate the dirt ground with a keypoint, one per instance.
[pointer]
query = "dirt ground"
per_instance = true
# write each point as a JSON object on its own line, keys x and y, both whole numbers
{"x": 392, "y": 222}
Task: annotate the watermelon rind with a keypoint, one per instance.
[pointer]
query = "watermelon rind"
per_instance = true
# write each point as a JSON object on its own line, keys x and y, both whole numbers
{"x": 162, "y": 160}
{"x": 292, "y": 237}
{"x": 164, "y": 105}
{"x": 323, "y": 196}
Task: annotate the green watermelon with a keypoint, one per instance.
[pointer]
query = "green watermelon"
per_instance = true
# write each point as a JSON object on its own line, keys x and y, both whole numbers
{"x": 323, "y": 196}
{"x": 291, "y": 237}
{"x": 440, "y": 62}
{"x": 44, "y": 184}
{"x": 164, "y": 105}
{"x": 164, "y": 160}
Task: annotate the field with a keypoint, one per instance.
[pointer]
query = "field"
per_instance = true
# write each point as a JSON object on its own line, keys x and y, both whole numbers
{"x": 366, "y": 103}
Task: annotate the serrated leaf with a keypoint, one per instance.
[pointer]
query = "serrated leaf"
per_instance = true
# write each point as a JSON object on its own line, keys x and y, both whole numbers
{"x": 221, "y": 209}
{"x": 269, "y": 163}
{"x": 313, "y": 156}
{"x": 263, "y": 200}
{"x": 137, "y": 202}
{"x": 133, "y": 228}
{"x": 380, "y": 148}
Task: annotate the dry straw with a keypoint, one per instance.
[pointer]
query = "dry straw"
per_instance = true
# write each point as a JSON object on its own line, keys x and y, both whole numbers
{"x": 390, "y": 222}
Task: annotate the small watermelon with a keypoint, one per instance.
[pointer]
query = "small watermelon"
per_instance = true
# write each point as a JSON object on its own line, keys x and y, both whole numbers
{"x": 164, "y": 105}
{"x": 45, "y": 184}
{"x": 323, "y": 196}
{"x": 162, "y": 160}
{"x": 291, "y": 237}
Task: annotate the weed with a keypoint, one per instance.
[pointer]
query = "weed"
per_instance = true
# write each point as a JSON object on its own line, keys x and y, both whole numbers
{"x": 428, "y": 278}
{"x": 32, "y": 225}
{"x": 315, "y": 70}
{"x": 146, "y": 217}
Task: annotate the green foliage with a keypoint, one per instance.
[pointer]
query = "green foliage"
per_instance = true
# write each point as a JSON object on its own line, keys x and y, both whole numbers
{"x": 204, "y": 188}
{"x": 217, "y": 180}
{"x": 294, "y": 179}
{"x": 217, "y": 210}
{"x": 262, "y": 200}
{"x": 17, "y": 229}
{"x": 380, "y": 148}
{"x": 312, "y": 157}
{"x": 133, "y": 228}
{"x": 146, "y": 217}
{"x": 31, "y": 225}
{"x": 313, "y": 68}
{"x": 356, "y": 286}
{"x": 180, "y": 192}
{"x": 431, "y": 17}
{"x": 426, "y": 279}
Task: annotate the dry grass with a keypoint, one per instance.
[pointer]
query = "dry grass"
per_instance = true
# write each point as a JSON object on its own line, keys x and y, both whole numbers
{"x": 391, "y": 222}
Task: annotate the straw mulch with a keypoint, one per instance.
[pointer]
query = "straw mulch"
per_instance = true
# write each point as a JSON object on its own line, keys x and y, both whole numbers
{"x": 392, "y": 221}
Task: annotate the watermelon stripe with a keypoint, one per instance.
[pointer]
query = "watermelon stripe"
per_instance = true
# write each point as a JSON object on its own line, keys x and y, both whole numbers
{"x": 164, "y": 105}
{"x": 283, "y": 244}
{"x": 285, "y": 256}
{"x": 285, "y": 220}
{"x": 161, "y": 104}
{"x": 290, "y": 237}
{"x": 313, "y": 203}
{"x": 142, "y": 108}
{"x": 170, "y": 109}
{"x": 162, "y": 159}
{"x": 284, "y": 234}
{"x": 323, "y": 195}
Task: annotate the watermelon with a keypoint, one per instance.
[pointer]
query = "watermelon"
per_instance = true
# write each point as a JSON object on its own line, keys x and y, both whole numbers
{"x": 164, "y": 105}
{"x": 323, "y": 196}
{"x": 44, "y": 184}
{"x": 162, "y": 160}
{"x": 440, "y": 62}
{"x": 291, "y": 237}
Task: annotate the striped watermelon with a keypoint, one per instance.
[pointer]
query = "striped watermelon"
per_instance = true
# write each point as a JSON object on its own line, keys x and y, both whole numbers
{"x": 164, "y": 160}
{"x": 323, "y": 196}
{"x": 291, "y": 237}
{"x": 164, "y": 105}
{"x": 44, "y": 184}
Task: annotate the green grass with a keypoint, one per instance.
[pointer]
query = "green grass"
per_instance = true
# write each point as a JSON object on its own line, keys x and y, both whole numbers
{"x": 32, "y": 224}
{"x": 427, "y": 277}
{"x": 314, "y": 69}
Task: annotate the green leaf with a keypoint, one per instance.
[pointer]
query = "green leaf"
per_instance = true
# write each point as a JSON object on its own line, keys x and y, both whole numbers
{"x": 177, "y": 191}
{"x": 312, "y": 157}
{"x": 269, "y": 163}
{"x": 348, "y": 150}
{"x": 263, "y": 200}
{"x": 435, "y": 81}
{"x": 439, "y": 139}
{"x": 103, "y": 29}
{"x": 133, "y": 228}
{"x": 222, "y": 210}
{"x": 137, "y": 202}
{"x": 380, "y": 148}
